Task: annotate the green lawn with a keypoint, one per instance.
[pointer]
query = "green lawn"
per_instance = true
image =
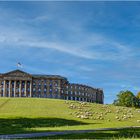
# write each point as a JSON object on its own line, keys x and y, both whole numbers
{"x": 24, "y": 115}
{"x": 133, "y": 133}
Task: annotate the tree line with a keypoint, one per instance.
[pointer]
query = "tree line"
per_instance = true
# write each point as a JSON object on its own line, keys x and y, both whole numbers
{"x": 127, "y": 99}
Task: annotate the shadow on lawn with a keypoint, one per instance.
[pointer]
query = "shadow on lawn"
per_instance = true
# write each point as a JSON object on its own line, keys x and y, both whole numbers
{"x": 19, "y": 125}
{"x": 114, "y": 134}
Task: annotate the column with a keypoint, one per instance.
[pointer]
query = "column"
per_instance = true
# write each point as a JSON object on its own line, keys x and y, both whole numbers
{"x": 14, "y": 88}
{"x": 4, "y": 88}
{"x": 48, "y": 88}
{"x": 59, "y": 89}
{"x": 25, "y": 88}
{"x": 42, "y": 88}
{"x": 20, "y": 82}
{"x": 30, "y": 88}
{"x": 9, "y": 88}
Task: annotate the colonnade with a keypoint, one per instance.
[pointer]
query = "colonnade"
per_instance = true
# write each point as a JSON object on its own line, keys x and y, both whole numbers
{"x": 16, "y": 88}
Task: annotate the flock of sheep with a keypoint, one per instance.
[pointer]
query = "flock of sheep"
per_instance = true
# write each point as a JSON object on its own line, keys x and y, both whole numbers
{"x": 91, "y": 111}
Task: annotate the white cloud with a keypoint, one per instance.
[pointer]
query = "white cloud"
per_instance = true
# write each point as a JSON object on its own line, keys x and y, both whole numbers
{"x": 82, "y": 44}
{"x": 84, "y": 49}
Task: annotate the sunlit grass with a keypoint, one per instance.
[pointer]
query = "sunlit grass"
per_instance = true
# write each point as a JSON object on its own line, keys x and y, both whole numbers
{"x": 24, "y": 115}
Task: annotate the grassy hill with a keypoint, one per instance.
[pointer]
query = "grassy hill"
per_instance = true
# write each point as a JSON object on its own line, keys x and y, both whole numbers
{"x": 24, "y": 115}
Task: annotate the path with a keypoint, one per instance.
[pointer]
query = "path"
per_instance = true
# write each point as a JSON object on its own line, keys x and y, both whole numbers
{"x": 42, "y": 134}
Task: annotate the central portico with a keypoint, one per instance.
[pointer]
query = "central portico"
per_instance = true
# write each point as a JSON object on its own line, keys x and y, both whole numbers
{"x": 17, "y": 84}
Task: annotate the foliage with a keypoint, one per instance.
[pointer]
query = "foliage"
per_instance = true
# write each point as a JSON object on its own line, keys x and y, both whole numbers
{"x": 126, "y": 98}
{"x": 138, "y": 95}
{"x": 138, "y": 98}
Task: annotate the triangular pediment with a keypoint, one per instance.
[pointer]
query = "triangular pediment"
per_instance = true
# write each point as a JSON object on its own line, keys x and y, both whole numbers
{"x": 17, "y": 73}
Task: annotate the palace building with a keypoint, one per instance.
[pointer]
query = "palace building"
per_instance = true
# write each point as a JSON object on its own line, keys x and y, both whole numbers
{"x": 18, "y": 83}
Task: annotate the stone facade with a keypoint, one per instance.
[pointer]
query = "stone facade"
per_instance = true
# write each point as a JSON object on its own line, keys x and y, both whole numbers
{"x": 18, "y": 83}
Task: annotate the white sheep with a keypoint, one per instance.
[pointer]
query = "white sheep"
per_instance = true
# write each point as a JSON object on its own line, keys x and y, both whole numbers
{"x": 138, "y": 121}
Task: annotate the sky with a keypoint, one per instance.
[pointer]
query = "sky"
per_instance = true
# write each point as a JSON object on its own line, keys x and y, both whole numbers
{"x": 92, "y": 43}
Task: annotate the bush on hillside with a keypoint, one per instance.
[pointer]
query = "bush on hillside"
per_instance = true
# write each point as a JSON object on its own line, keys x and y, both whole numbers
{"x": 127, "y": 99}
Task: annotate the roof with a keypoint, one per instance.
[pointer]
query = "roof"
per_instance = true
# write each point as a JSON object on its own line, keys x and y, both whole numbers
{"x": 48, "y": 76}
{"x": 17, "y": 70}
{"x": 76, "y": 84}
{"x": 36, "y": 75}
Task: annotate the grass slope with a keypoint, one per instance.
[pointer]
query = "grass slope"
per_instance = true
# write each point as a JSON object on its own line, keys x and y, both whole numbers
{"x": 24, "y": 115}
{"x": 123, "y": 134}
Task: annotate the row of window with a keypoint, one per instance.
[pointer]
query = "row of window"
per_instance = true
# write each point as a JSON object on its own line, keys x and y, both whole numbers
{"x": 45, "y": 82}
{"x": 17, "y": 83}
{"x": 28, "y": 83}
{"x": 45, "y": 89}
{"x": 28, "y": 89}
{"x": 28, "y": 95}
{"x": 77, "y": 88}
{"x": 80, "y": 93}
{"x": 45, "y": 86}
{"x": 17, "y": 89}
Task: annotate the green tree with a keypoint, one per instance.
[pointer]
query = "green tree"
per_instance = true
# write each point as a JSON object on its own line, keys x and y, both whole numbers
{"x": 138, "y": 95}
{"x": 138, "y": 98}
{"x": 126, "y": 98}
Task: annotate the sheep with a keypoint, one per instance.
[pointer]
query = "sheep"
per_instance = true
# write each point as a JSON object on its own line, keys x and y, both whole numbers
{"x": 138, "y": 121}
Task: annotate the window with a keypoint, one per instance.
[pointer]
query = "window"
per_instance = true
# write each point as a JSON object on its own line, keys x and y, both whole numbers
{"x": 50, "y": 89}
{"x": 50, "y": 82}
{"x": 56, "y": 83}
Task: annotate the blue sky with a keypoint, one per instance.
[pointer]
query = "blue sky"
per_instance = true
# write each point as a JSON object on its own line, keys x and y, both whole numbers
{"x": 93, "y": 43}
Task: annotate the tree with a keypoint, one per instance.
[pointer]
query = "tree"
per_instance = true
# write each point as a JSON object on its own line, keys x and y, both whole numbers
{"x": 138, "y": 98}
{"x": 126, "y": 98}
{"x": 138, "y": 95}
